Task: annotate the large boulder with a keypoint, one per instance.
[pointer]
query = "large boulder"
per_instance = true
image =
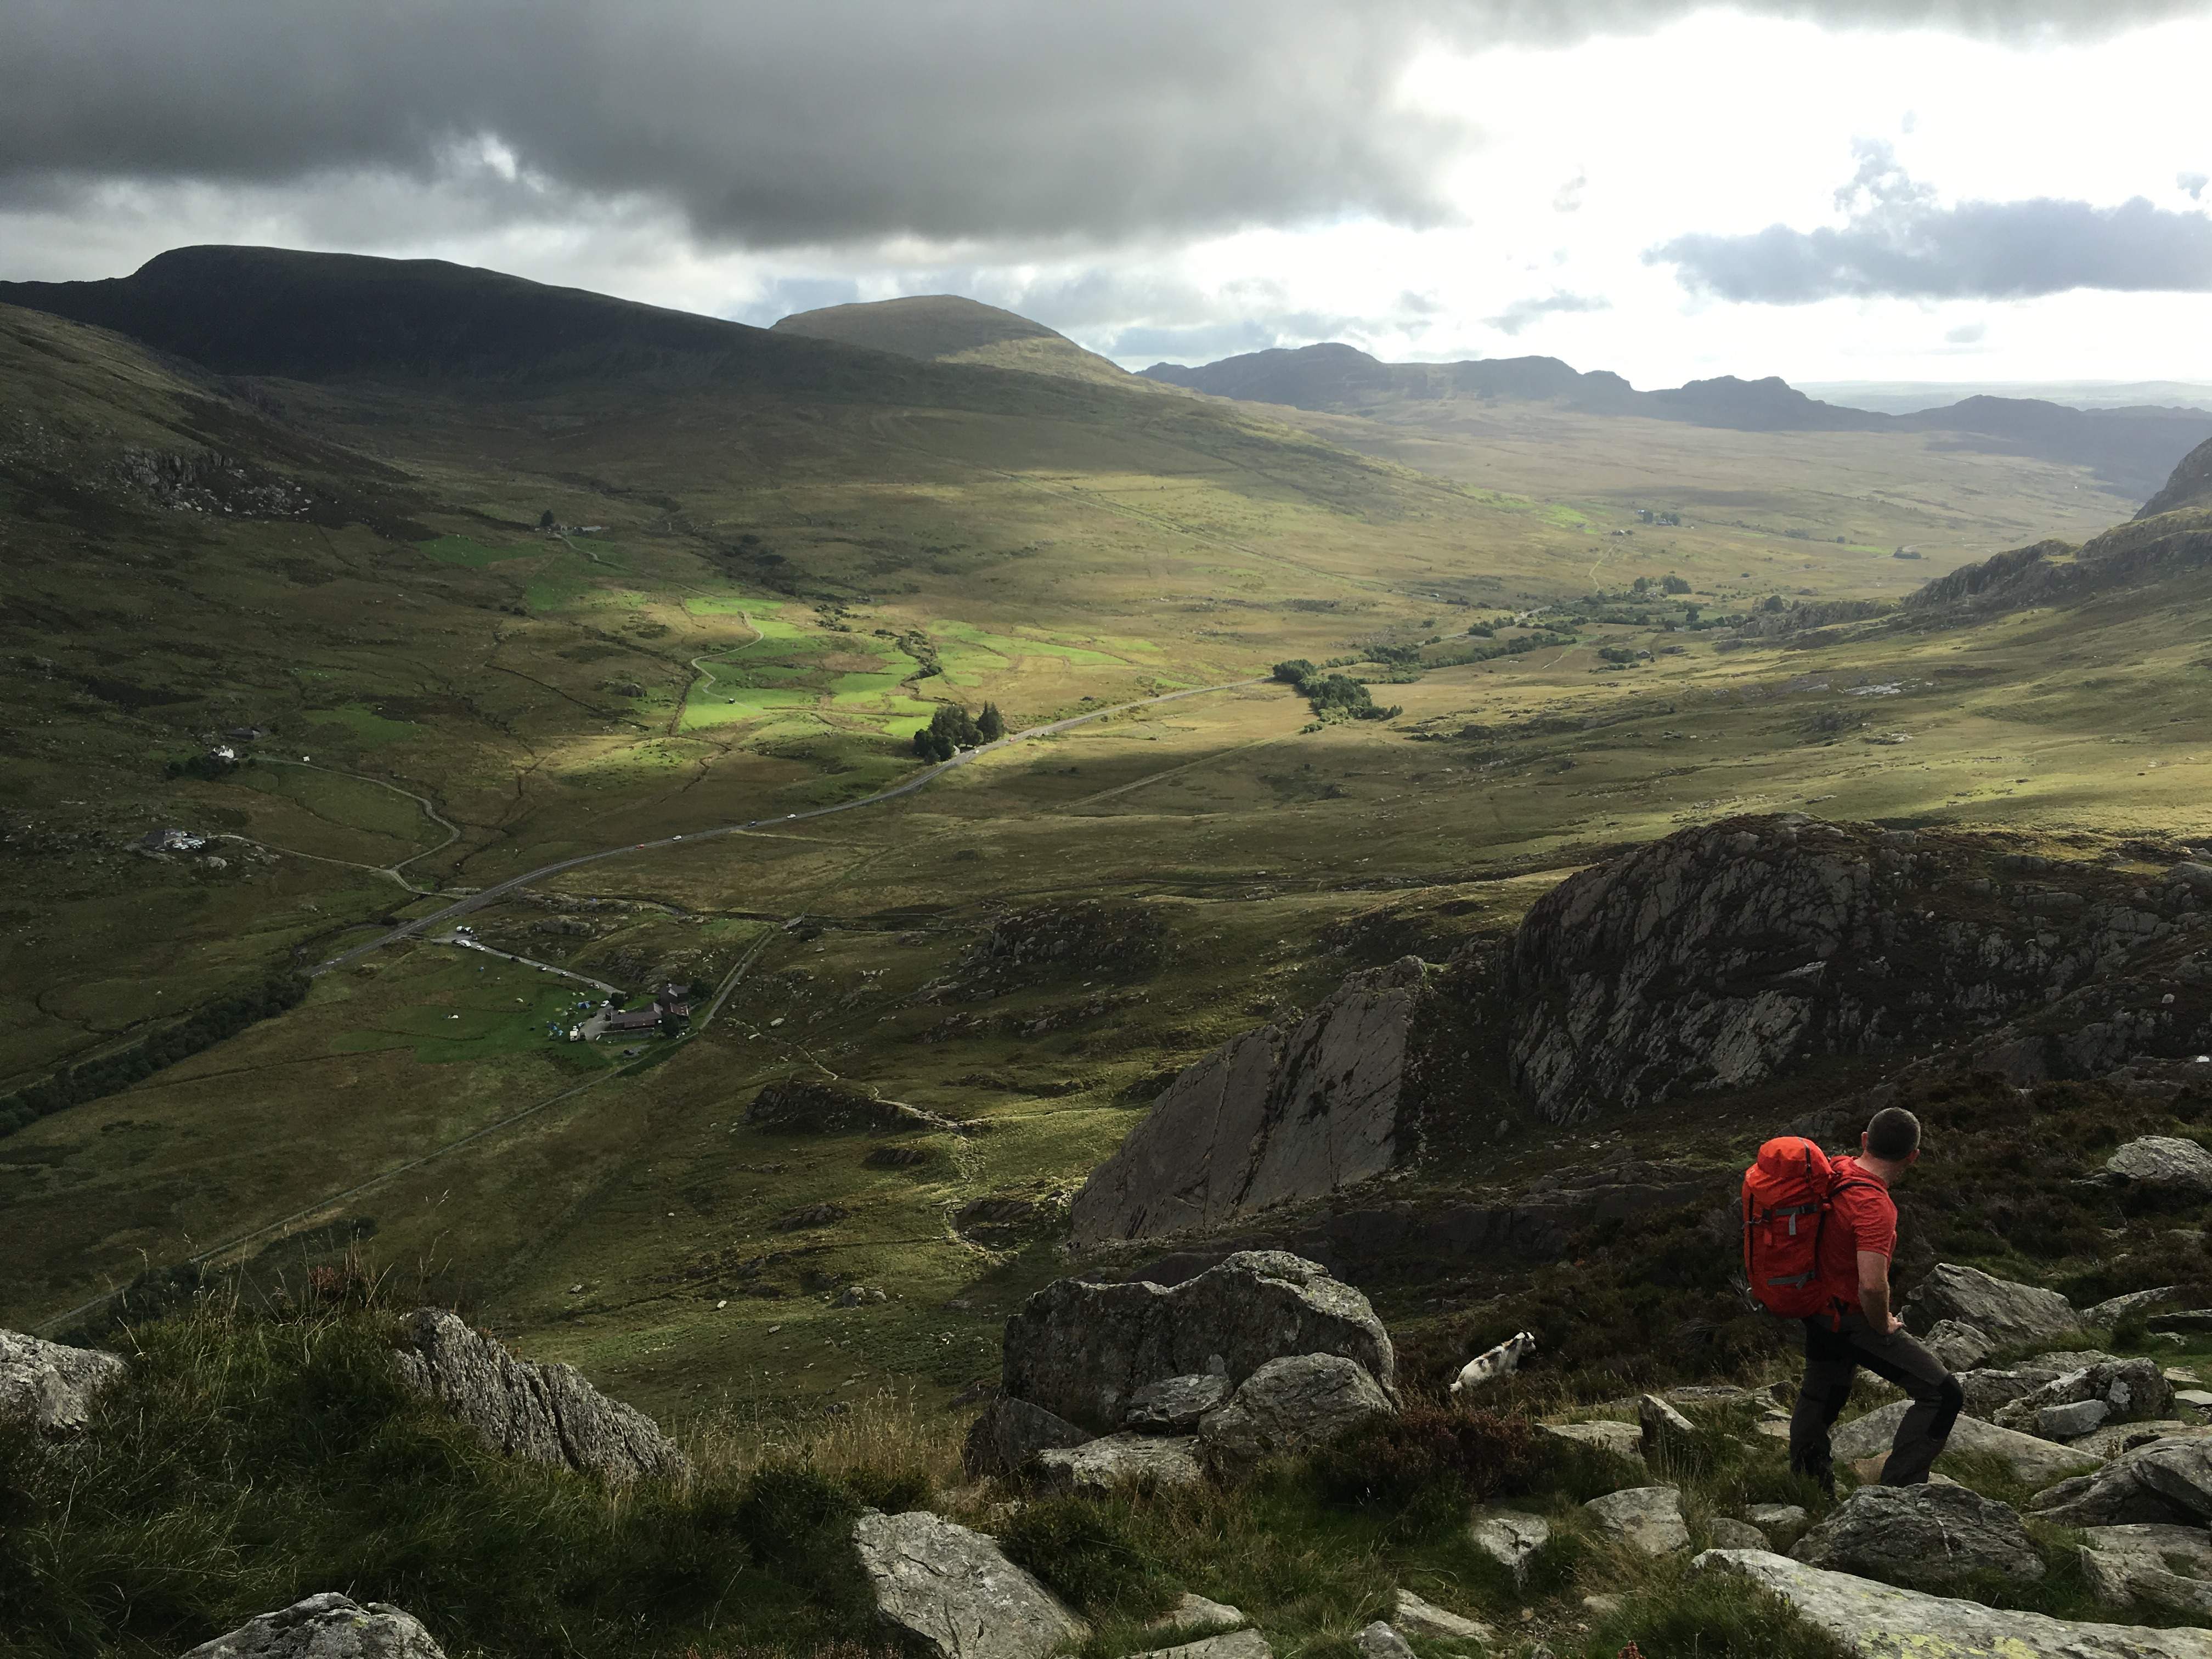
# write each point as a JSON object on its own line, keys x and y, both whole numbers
{"x": 1012, "y": 1431}
{"x": 1083, "y": 1349}
{"x": 2164, "y": 1163}
{"x": 51, "y": 1386}
{"x": 1932, "y": 1537}
{"x": 2005, "y": 1311}
{"x": 2168, "y": 1482}
{"x": 1647, "y": 1519}
{"x": 543, "y": 1413}
{"x": 2118, "y": 1390}
{"x": 950, "y": 1592}
{"x": 2028, "y": 1458}
{"x": 1289, "y": 1407}
{"x": 1960, "y": 1346}
{"x": 1269, "y": 1116}
{"x": 1881, "y": 1621}
{"x": 2138, "y": 1564}
{"x": 1175, "y": 1403}
{"x": 325, "y": 1626}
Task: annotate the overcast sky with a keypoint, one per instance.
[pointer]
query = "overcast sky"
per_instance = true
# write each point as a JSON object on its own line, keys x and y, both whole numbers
{"x": 1822, "y": 189}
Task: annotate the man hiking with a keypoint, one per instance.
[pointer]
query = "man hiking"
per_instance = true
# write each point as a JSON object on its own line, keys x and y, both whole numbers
{"x": 1857, "y": 1237}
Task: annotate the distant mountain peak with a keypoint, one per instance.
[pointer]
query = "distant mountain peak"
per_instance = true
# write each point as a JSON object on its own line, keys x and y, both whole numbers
{"x": 951, "y": 328}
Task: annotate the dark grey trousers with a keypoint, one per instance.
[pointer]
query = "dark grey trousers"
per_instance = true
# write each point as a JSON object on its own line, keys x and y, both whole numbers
{"x": 1832, "y": 1357}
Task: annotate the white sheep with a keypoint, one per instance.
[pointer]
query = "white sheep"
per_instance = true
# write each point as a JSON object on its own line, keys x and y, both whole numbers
{"x": 1499, "y": 1361}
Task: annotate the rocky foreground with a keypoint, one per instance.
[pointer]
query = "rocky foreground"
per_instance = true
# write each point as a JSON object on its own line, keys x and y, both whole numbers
{"x": 1135, "y": 1390}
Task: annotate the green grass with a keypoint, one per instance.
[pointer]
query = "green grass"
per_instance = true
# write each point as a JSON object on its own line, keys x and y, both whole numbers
{"x": 472, "y": 555}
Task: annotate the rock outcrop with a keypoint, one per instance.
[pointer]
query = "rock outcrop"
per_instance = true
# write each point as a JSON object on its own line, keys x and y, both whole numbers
{"x": 1083, "y": 1349}
{"x": 2137, "y": 1564}
{"x": 1415, "y": 1617}
{"x": 2005, "y": 1311}
{"x": 1289, "y": 1407}
{"x": 2072, "y": 1405}
{"x": 1728, "y": 954}
{"x": 544, "y": 1412}
{"x": 325, "y": 1626}
{"x": 2168, "y": 1482}
{"x": 1268, "y": 1117}
{"x": 1879, "y": 1621}
{"x": 1175, "y": 1403}
{"x": 2165, "y": 1164}
{"x": 52, "y": 1386}
{"x": 1931, "y": 1536}
{"x": 953, "y": 1594}
{"x": 1647, "y": 1519}
{"x": 1509, "y": 1538}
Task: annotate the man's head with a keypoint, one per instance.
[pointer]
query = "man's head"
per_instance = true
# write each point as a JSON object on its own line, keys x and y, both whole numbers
{"x": 1894, "y": 1137}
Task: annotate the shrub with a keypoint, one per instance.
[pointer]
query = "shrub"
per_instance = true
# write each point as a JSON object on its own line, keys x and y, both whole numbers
{"x": 1089, "y": 1557}
{"x": 1398, "y": 1463}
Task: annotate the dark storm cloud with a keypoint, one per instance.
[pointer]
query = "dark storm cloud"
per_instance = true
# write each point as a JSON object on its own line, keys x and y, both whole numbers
{"x": 1522, "y": 313}
{"x": 829, "y": 121}
{"x": 1897, "y": 241}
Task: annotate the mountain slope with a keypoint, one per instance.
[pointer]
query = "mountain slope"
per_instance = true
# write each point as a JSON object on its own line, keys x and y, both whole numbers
{"x": 2189, "y": 486}
{"x": 948, "y": 328}
{"x": 2132, "y": 449}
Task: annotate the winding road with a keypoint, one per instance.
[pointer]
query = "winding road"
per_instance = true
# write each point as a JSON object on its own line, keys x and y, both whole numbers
{"x": 482, "y": 897}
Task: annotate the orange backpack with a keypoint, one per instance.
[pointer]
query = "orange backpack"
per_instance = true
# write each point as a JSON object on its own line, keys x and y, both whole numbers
{"x": 1786, "y": 1196}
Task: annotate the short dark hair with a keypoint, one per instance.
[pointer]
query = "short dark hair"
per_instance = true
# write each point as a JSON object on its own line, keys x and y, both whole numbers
{"x": 1894, "y": 1134}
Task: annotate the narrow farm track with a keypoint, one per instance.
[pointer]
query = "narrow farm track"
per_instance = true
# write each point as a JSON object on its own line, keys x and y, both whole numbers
{"x": 477, "y": 900}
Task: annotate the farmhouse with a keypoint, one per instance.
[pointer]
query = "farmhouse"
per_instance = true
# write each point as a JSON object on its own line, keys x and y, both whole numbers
{"x": 171, "y": 841}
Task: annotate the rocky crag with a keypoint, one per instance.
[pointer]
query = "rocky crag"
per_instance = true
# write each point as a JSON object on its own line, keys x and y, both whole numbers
{"x": 1721, "y": 958}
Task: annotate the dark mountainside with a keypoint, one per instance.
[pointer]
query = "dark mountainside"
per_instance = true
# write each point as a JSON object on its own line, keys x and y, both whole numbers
{"x": 2131, "y": 448}
{"x": 333, "y": 317}
{"x": 2189, "y": 486}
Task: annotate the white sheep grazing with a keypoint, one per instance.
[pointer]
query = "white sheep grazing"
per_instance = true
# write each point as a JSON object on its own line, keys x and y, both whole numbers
{"x": 1506, "y": 1357}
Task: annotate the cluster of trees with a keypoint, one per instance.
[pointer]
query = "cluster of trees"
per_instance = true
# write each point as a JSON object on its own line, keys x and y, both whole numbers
{"x": 205, "y": 1028}
{"x": 1333, "y": 695}
{"x": 209, "y": 768}
{"x": 952, "y": 728}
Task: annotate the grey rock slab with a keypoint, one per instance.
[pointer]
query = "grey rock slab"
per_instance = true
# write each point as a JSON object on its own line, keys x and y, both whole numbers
{"x": 2166, "y": 1163}
{"x": 1623, "y": 1439}
{"x": 2114, "y": 1309}
{"x": 2124, "y": 1387}
{"x": 1379, "y": 1641}
{"x": 1012, "y": 1431}
{"x": 1931, "y": 1536}
{"x": 2168, "y": 1563}
{"x": 50, "y": 1385}
{"x": 2071, "y": 1421}
{"x": 541, "y": 1412}
{"x": 1120, "y": 1460}
{"x": 1728, "y": 1533}
{"x": 1174, "y": 1404}
{"x": 2197, "y": 1399}
{"x": 1989, "y": 1391}
{"x": 2114, "y": 1438}
{"x": 2028, "y": 1458}
{"x": 1268, "y": 1117}
{"x": 1661, "y": 1428}
{"x": 1196, "y": 1612}
{"x": 950, "y": 1592}
{"x": 2168, "y": 1481}
{"x": 1776, "y": 1517}
{"x": 1083, "y": 1349}
{"x": 1416, "y": 1617}
{"x": 1881, "y": 1621}
{"x": 1291, "y": 1407}
{"x": 1509, "y": 1538}
{"x": 1236, "y": 1644}
{"x": 325, "y": 1626}
{"x": 1960, "y": 1346}
{"x": 2008, "y": 1312}
{"x": 1646, "y": 1518}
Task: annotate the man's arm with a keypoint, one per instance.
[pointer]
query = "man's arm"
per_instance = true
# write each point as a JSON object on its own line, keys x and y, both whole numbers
{"x": 1874, "y": 1293}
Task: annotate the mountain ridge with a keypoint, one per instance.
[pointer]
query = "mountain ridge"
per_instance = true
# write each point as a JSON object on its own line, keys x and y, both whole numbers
{"x": 950, "y": 328}
{"x": 2134, "y": 449}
